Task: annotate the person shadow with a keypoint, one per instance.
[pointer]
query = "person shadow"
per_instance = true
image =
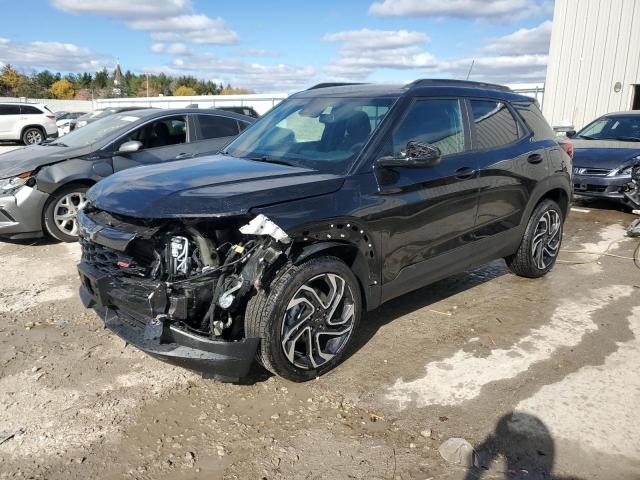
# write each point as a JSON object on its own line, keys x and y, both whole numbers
{"x": 524, "y": 444}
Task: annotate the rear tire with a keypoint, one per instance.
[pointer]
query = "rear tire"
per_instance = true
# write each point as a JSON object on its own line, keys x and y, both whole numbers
{"x": 306, "y": 320}
{"x": 59, "y": 213}
{"x": 540, "y": 245}
{"x": 33, "y": 136}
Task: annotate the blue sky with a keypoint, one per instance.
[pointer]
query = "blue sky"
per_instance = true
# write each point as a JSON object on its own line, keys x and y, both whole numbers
{"x": 283, "y": 45}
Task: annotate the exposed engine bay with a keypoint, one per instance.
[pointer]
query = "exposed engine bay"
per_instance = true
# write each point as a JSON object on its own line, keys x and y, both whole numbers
{"x": 193, "y": 274}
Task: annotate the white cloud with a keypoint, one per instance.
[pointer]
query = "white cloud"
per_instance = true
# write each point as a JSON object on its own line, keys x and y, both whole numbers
{"x": 198, "y": 29}
{"x": 255, "y": 76}
{"x": 258, "y": 52}
{"x": 500, "y": 68}
{"x": 57, "y": 56}
{"x": 171, "y": 49}
{"x": 126, "y": 9}
{"x": 377, "y": 39}
{"x": 364, "y": 51}
{"x": 524, "y": 41}
{"x": 489, "y": 9}
{"x": 167, "y": 20}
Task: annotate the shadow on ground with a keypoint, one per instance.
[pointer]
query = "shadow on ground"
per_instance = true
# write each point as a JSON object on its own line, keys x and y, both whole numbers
{"x": 525, "y": 445}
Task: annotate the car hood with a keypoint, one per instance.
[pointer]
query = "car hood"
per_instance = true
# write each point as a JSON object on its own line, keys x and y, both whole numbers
{"x": 603, "y": 153}
{"x": 29, "y": 158}
{"x": 209, "y": 186}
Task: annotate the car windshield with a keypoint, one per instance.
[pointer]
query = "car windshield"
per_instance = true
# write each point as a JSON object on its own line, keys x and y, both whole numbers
{"x": 623, "y": 128}
{"x": 96, "y": 131}
{"x": 324, "y": 134}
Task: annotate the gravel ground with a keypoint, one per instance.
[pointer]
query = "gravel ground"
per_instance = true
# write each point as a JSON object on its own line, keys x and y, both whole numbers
{"x": 539, "y": 375}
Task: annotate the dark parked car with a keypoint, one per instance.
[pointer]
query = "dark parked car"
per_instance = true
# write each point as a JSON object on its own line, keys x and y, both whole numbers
{"x": 249, "y": 111}
{"x": 337, "y": 200}
{"x": 42, "y": 186}
{"x": 88, "y": 118}
{"x": 604, "y": 152}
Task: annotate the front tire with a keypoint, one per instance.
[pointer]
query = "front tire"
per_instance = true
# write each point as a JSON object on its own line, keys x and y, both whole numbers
{"x": 59, "y": 217}
{"x": 307, "y": 319}
{"x": 540, "y": 245}
{"x": 33, "y": 136}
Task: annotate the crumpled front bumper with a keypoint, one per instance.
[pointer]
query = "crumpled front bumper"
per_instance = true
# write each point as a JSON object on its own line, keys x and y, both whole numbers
{"x": 223, "y": 360}
{"x": 21, "y": 213}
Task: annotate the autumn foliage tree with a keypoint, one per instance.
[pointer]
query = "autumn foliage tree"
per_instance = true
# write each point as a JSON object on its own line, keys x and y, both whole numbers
{"x": 63, "y": 89}
{"x": 184, "y": 91}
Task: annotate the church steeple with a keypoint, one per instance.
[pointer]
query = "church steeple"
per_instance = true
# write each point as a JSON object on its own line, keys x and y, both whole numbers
{"x": 117, "y": 74}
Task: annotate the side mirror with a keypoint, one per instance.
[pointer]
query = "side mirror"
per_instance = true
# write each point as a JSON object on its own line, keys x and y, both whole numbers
{"x": 130, "y": 146}
{"x": 416, "y": 155}
{"x": 571, "y": 133}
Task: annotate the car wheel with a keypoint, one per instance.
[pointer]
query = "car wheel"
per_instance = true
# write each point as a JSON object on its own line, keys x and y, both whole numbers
{"x": 307, "y": 318}
{"x": 60, "y": 213}
{"x": 541, "y": 242}
{"x": 32, "y": 136}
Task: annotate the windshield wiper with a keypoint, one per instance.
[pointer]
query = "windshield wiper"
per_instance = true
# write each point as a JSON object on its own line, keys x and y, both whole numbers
{"x": 628, "y": 139}
{"x": 265, "y": 159}
{"x": 587, "y": 137}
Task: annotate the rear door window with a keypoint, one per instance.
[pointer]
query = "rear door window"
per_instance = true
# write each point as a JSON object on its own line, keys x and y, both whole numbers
{"x": 9, "y": 109}
{"x": 495, "y": 126}
{"x": 433, "y": 121}
{"x": 215, "y": 126}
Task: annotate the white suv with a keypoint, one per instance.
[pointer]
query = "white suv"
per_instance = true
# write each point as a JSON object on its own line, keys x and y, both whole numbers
{"x": 29, "y": 123}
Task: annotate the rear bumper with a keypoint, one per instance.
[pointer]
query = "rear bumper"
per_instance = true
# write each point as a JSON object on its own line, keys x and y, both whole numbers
{"x": 223, "y": 360}
{"x": 600, "y": 187}
{"x": 21, "y": 213}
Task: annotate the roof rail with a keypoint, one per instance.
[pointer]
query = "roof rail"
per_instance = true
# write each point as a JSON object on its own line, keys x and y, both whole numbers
{"x": 427, "y": 82}
{"x": 333, "y": 84}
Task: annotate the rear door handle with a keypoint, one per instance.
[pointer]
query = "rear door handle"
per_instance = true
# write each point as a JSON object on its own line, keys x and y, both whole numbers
{"x": 182, "y": 156}
{"x": 535, "y": 158}
{"x": 465, "y": 173}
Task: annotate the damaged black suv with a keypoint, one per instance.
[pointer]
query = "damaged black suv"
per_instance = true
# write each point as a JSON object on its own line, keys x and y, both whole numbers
{"x": 339, "y": 199}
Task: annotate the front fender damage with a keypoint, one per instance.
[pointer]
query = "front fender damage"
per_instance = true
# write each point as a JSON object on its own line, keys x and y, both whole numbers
{"x": 189, "y": 280}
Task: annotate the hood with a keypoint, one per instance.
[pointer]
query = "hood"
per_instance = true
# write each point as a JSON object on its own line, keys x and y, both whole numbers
{"x": 217, "y": 185}
{"x": 603, "y": 153}
{"x": 29, "y": 158}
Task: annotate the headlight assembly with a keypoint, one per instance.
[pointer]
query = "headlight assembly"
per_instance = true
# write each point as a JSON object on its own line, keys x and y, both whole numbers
{"x": 10, "y": 185}
{"x": 625, "y": 170}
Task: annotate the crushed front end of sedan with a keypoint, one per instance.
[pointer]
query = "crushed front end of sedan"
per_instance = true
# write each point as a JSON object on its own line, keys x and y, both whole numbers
{"x": 178, "y": 289}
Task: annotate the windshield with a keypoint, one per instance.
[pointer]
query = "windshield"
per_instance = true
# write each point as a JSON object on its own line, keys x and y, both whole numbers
{"x": 96, "y": 131}
{"x": 324, "y": 134}
{"x": 624, "y": 128}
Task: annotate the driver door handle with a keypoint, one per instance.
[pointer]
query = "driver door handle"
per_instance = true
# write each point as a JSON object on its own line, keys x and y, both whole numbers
{"x": 182, "y": 156}
{"x": 465, "y": 173}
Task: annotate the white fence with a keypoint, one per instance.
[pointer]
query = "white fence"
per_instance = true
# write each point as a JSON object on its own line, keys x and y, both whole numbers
{"x": 54, "y": 104}
{"x": 260, "y": 102}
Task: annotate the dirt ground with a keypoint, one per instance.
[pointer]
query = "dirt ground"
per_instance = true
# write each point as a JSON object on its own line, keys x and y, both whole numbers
{"x": 541, "y": 376}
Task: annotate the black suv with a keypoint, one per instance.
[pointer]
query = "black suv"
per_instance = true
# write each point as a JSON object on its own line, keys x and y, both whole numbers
{"x": 336, "y": 201}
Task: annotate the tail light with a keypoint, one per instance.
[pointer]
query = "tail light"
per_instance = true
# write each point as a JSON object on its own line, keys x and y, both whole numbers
{"x": 51, "y": 117}
{"x": 567, "y": 147}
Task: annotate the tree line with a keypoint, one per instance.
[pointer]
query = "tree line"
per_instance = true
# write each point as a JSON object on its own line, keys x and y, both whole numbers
{"x": 102, "y": 84}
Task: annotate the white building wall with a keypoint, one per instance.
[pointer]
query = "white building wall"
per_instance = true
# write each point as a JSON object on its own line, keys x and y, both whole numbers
{"x": 594, "y": 45}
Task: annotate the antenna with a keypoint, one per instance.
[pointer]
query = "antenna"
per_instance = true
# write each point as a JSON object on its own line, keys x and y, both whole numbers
{"x": 471, "y": 68}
